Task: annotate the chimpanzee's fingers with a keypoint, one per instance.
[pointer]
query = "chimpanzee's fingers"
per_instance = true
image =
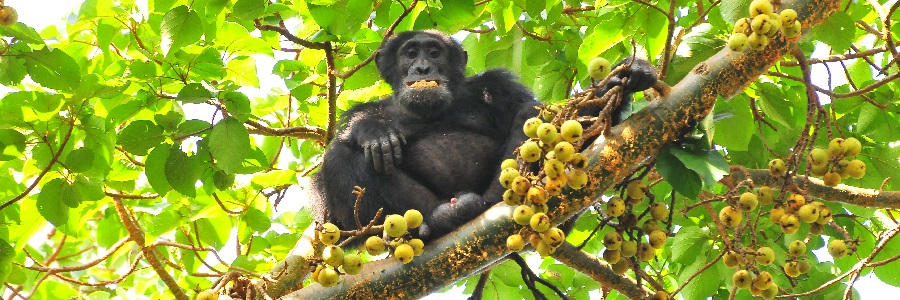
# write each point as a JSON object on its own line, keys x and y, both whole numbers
{"x": 397, "y": 149}
{"x": 387, "y": 156}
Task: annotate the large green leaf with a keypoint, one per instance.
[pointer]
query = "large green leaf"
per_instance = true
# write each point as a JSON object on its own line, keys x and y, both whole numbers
{"x": 12, "y": 70}
{"x": 12, "y": 144}
{"x": 257, "y": 220}
{"x": 682, "y": 179}
{"x": 736, "y": 123}
{"x": 155, "y": 168}
{"x": 194, "y": 93}
{"x": 22, "y": 32}
{"x": 182, "y": 172}
{"x": 248, "y": 10}
{"x": 53, "y": 69}
{"x": 50, "y": 202}
{"x": 139, "y": 136}
{"x": 702, "y": 286}
{"x": 180, "y": 27}
{"x": 710, "y": 165}
{"x": 687, "y": 243}
{"x": 80, "y": 160}
{"x": 600, "y": 39}
{"x": 836, "y": 31}
{"x": 229, "y": 143}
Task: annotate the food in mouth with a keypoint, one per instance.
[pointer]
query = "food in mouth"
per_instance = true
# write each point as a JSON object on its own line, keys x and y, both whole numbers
{"x": 422, "y": 84}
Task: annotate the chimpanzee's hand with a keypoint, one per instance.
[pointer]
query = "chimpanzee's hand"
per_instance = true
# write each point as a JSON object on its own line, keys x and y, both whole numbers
{"x": 383, "y": 148}
{"x": 641, "y": 75}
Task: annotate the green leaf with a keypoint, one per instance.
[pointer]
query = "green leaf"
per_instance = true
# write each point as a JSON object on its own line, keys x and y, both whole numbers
{"x": 836, "y": 31}
{"x": 155, "y": 168}
{"x": 180, "y": 27}
{"x": 501, "y": 13}
{"x": 222, "y": 180}
{"x": 214, "y": 231}
{"x": 22, "y": 32}
{"x": 194, "y": 93}
{"x": 7, "y": 254}
{"x": 732, "y": 11}
{"x": 238, "y": 105}
{"x": 169, "y": 121}
{"x": 682, "y": 179}
{"x": 240, "y": 42}
{"x": 455, "y": 14}
{"x": 89, "y": 189}
{"x": 257, "y": 220}
{"x": 248, "y": 10}
{"x": 737, "y": 126}
{"x": 710, "y": 165}
{"x": 50, "y": 203}
{"x": 143, "y": 69}
{"x": 12, "y": 70}
{"x": 600, "y": 39}
{"x": 274, "y": 178}
{"x": 242, "y": 71}
{"x": 229, "y": 143}
{"x": 141, "y": 135}
{"x": 80, "y": 160}
{"x": 182, "y": 172}
{"x": 53, "y": 69}
{"x": 12, "y": 144}
{"x": 94, "y": 86}
{"x": 166, "y": 221}
{"x": 702, "y": 286}
{"x": 70, "y": 195}
{"x": 687, "y": 243}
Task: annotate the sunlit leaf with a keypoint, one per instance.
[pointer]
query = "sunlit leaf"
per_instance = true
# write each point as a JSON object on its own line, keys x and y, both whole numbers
{"x": 180, "y": 27}
{"x": 229, "y": 144}
{"x": 50, "y": 202}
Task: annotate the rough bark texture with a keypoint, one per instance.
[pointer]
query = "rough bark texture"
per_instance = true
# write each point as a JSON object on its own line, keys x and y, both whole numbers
{"x": 482, "y": 242}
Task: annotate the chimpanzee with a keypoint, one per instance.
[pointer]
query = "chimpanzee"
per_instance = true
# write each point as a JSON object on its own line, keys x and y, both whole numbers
{"x": 437, "y": 143}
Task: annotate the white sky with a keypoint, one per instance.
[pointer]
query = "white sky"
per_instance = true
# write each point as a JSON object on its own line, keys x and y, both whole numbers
{"x": 41, "y": 13}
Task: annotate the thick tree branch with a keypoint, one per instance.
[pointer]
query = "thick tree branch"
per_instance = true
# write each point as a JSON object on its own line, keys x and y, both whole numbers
{"x": 481, "y": 242}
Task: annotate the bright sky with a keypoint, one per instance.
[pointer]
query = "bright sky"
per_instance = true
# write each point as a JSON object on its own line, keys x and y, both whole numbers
{"x": 41, "y": 13}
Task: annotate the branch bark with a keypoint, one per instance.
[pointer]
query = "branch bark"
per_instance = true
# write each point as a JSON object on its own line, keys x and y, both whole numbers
{"x": 481, "y": 242}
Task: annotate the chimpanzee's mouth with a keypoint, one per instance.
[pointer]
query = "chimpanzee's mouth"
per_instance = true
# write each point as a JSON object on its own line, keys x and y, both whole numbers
{"x": 424, "y": 84}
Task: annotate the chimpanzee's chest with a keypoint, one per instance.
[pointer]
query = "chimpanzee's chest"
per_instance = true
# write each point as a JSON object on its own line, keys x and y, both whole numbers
{"x": 457, "y": 157}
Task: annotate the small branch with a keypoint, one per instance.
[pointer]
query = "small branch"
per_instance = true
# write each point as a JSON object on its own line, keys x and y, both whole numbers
{"x": 836, "y": 58}
{"x": 290, "y": 36}
{"x": 332, "y": 92}
{"x": 115, "y": 247}
{"x": 302, "y": 132}
{"x": 46, "y": 169}
{"x": 816, "y": 188}
{"x": 600, "y": 271}
{"x": 131, "y": 197}
{"x": 478, "y": 293}
{"x": 529, "y": 276}
{"x": 701, "y": 270}
{"x": 855, "y": 93}
{"x": 667, "y": 52}
{"x": 149, "y": 252}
